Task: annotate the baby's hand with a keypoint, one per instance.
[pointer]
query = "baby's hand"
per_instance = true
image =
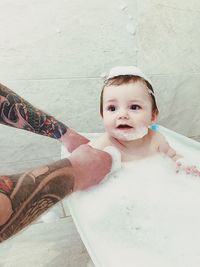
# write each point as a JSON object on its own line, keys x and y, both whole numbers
{"x": 183, "y": 164}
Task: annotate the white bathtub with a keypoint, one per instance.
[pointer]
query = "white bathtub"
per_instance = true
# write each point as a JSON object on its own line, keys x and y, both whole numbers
{"x": 144, "y": 215}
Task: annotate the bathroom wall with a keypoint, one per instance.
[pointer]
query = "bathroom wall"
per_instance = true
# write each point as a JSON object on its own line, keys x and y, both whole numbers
{"x": 56, "y": 53}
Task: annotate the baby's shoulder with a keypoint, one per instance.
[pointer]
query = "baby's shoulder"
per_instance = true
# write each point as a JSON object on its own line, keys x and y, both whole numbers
{"x": 157, "y": 139}
{"x": 100, "y": 142}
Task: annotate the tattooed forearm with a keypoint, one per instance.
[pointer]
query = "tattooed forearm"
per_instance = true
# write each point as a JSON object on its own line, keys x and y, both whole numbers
{"x": 18, "y": 113}
{"x": 26, "y": 196}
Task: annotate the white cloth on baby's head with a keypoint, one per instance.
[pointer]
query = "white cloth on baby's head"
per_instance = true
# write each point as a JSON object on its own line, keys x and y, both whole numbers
{"x": 127, "y": 70}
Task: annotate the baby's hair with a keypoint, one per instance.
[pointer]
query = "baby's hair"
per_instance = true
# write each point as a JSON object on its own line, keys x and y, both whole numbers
{"x": 125, "y": 79}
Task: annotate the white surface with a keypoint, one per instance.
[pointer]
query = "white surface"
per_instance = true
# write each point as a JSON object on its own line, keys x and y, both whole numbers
{"x": 145, "y": 214}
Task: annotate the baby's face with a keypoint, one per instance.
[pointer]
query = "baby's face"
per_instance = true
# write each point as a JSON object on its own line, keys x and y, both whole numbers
{"x": 126, "y": 108}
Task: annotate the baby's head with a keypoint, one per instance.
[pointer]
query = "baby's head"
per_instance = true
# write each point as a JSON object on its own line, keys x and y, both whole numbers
{"x": 128, "y": 104}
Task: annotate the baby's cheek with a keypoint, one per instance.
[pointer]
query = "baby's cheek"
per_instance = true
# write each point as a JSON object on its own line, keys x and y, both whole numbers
{"x": 108, "y": 122}
{"x": 140, "y": 122}
{"x": 108, "y": 127}
{"x": 145, "y": 120}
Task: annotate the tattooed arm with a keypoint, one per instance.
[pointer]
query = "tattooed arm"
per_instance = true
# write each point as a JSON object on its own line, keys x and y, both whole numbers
{"x": 18, "y": 113}
{"x": 24, "y": 197}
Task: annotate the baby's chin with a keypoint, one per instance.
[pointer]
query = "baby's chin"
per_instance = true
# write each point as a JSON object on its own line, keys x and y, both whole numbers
{"x": 131, "y": 135}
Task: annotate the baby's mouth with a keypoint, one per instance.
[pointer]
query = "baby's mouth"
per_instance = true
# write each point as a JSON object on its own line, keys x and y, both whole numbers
{"x": 124, "y": 127}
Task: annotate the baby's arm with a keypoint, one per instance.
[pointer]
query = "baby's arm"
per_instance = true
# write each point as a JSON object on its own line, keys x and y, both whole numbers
{"x": 164, "y": 147}
{"x": 181, "y": 163}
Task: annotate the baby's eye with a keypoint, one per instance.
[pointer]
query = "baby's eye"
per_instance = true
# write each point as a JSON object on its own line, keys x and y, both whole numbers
{"x": 111, "y": 108}
{"x": 135, "y": 107}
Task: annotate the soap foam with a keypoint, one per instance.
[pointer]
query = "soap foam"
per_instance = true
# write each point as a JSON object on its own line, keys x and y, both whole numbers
{"x": 116, "y": 158}
{"x": 143, "y": 215}
{"x": 135, "y": 134}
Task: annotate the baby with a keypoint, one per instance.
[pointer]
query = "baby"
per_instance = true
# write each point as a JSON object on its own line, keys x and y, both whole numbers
{"x": 128, "y": 109}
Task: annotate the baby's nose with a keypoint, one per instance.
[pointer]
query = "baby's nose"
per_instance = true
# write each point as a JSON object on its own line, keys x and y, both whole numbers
{"x": 123, "y": 114}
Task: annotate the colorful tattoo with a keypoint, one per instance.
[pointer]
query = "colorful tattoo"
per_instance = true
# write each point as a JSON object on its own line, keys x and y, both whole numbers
{"x": 6, "y": 184}
{"x": 18, "y": 113}
{"x": 32, "y": 193}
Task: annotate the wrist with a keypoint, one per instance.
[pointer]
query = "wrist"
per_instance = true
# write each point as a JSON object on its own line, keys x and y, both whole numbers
{"x": 178, "y": 158}
{"x": 71, "y": 140}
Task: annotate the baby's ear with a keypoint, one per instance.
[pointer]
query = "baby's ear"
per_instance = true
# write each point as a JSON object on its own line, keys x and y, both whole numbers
{"x": 154, "y": 117}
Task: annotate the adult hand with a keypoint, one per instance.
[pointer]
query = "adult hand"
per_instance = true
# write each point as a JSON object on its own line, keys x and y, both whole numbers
{"x": 90, "y": 166}
{"x": 71, "y": 140}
